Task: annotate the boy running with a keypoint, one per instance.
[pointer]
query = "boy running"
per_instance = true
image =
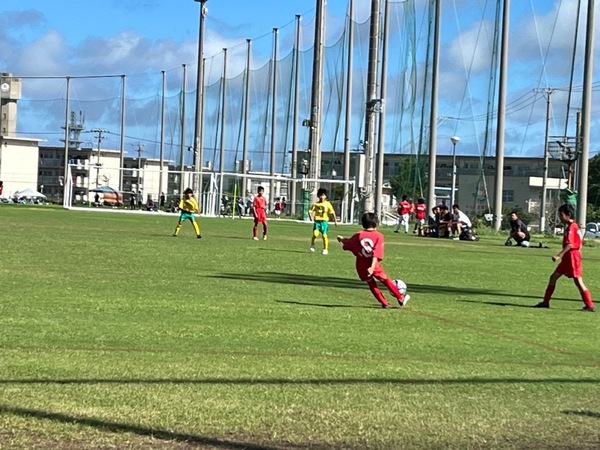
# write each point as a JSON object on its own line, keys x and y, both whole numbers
{"x": 188, "y": 206}
{"x": 319, "y": 213}
{"x": 367, "y": 245}
{"x": 570, "y": 261}
{"x": 259, "y": 209}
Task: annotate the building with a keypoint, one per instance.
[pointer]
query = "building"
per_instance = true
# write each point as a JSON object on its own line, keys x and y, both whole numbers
{"x": 474, "y": 178}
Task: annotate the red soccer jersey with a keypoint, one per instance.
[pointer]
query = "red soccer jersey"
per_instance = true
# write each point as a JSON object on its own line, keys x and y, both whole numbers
{"x": 366, "y": 245}
{"x": 404, "y": 207}
{"x": 570, "y": 264}
{"x": 421, "y": 211}
{"x": 260, "y": 208}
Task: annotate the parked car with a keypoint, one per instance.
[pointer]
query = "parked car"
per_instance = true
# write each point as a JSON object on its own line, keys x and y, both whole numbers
{"x": 592, "y": 230}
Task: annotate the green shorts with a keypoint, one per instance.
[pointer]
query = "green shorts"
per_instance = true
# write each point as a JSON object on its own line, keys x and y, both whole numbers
{"x": 186, "y": 215}
{"x": 322, "y": 226}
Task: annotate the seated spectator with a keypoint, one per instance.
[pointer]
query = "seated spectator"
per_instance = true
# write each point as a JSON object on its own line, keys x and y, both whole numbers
{"x": 432, "y": 229}
{"x": 460, "y": 222}
{"x": 518, "y": 231}
{"x": 445, "y": 222}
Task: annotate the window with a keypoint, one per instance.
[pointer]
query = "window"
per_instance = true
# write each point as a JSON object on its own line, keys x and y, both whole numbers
{"x": 508, "y": 196}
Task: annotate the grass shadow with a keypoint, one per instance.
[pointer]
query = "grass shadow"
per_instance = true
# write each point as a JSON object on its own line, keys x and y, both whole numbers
{"x": 323, "y": 305}
{"x": 345, "y": 283}
{"x": 595, "y": 415}
{"x": 117, "y": 427}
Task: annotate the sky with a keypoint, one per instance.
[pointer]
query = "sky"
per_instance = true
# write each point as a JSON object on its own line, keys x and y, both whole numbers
{"x": 62, "y": 37}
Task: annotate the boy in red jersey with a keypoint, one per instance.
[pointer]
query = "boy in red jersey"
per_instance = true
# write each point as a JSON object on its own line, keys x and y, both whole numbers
{"x": 405, "y": 207}
{"x": 420, "y": 216}
{"x": 259, "y": 205}
{"x": 367, "y": 245}
{"x": 570, "y": 261}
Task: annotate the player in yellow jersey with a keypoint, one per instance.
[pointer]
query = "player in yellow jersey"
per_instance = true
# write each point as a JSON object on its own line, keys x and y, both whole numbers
{"x": 188, "y": 206}
{"x": 319, "y": 213}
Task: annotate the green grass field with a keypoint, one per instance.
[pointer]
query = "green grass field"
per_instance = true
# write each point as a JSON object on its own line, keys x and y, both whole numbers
{"x": 116, "y": 335}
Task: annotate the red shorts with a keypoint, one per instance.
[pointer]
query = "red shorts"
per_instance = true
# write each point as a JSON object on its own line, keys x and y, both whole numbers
{"x": 570, "y": 265}
{"x": 260, "y": 218}
{"x": 363, "y": 272}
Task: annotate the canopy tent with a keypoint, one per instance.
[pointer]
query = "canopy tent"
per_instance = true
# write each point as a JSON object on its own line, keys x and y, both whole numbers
{"x": 29, "y": 193}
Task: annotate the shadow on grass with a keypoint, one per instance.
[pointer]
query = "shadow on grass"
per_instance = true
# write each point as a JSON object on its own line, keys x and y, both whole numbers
{"x": 593, "y": 414}
{"x": 117, "y": 427}
{"x": 298, "y": 381}
{"x": 338, "y": 282}
{"x": 324, "y": 305}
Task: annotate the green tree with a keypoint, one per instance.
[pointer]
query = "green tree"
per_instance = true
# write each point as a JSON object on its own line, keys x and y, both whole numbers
{"x": 410, "y": 179}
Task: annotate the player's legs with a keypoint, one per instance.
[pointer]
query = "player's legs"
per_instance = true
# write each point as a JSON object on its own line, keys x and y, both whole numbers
{"x": 255, "y": 229}
{"x": 406, "y": 224}
{"x": 377, "y": 292}
{"x": 585, "y": 293}
{"x": 264, "y": 224}
{"x": 196, "y": 226}
{"x": 549, "y": 290}
{"x": 178, "y": 227}
{"x": 325, "y": 237}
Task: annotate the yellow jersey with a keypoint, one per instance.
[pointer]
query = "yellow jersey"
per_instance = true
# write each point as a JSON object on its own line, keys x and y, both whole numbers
{"x": 322, "y": 210}
{"x": 188, "y": 205}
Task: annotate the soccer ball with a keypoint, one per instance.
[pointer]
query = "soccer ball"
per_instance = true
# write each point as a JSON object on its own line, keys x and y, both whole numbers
{"x": 401, "y": 285}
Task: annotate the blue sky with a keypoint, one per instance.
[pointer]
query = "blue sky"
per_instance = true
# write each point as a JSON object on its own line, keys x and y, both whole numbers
{"x": 63, "y": 37}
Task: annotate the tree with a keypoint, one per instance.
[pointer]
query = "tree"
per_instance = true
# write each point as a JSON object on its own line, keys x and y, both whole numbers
{"x": 410, "y": 179}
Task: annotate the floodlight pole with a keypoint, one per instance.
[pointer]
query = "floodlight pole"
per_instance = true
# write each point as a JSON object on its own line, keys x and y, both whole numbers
{"x": 198, "y": 128}
{"x": 455, "y": 140}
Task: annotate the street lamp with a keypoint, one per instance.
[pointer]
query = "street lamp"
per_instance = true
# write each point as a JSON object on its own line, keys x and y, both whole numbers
{"x": 455, "y": 140}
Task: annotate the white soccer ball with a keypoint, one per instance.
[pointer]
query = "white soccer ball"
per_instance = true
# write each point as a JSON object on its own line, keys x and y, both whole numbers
{"x": 401, "y": 285}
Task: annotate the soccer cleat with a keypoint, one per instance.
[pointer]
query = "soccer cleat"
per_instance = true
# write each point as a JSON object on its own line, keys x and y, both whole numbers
{"x": 404, "y": 300}
{"x": 325, "y": 252}
{"x": 395, "y": 231}
{"x": 199, "y": 237}
{"x": 255, "y": 238}
{"x": 312, "y": 248}
{"x": 174, "y": 235}
{"x": 588, "y": 309}
{"x": 385, "y": 306}
{"x": 541, "y": 305}
{"x": 265, "y": 237}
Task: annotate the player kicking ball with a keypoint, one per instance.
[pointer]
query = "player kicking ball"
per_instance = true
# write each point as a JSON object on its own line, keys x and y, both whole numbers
{"x": 367, "y": 245}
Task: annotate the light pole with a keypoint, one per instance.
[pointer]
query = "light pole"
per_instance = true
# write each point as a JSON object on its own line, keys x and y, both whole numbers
{"x": 198, "y": 124}
{"x": 455, "y": 140}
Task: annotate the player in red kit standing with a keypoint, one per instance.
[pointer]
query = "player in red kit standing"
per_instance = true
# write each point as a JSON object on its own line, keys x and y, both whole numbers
{"x": 260, "y": 213}
{"x": 367, "y": 245}
{"x": 570, "y": 261}
{"x": 420, "y": 216}
{"x": 405, "y": 207}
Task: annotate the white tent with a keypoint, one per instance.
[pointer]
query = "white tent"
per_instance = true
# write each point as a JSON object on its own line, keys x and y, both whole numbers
{"x": 29, "y": 193}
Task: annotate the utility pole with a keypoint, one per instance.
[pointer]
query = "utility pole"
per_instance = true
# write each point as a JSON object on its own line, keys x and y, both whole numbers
{"x": 139, "y": 150}
{"x": 99, "y": 132}
{"x": 373, "y": 107}
{"x": 548, "y": 93}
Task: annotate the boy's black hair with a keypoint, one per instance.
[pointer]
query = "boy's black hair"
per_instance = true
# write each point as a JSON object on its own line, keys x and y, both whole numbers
{"x": 514, "y": 212}
{"x": 420, "y": 200}
{"x": 405, "y": 197}
{"x": 322, "y": 191}
{"x": 567, "y": 210}
{"x": 260, "y": 188}
{"x": 369, "y": 220}
{"x": 188, "y": 191}
{"x": 456, "y": 206}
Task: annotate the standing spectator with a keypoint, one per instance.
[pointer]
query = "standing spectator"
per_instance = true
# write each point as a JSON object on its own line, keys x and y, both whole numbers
{"x": 277, "y": 208}
{"x": 140, "y": 199}
{"x": 319, "y": 213}
{"x": 161, "y": 201}
{"x": 570, "y": 261}
{"x": 283, "y": 206}
{"x": 97, "y": 200}
{"x": 518, "y": 231}
{"x": 368, "y": 245}
{"x": 259, "y": 207}
{"x": 132, "y": 200}
{"x": 405, "y": 207}
{"x": 188, "y": 206}
{"x": 420, "y": 215}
